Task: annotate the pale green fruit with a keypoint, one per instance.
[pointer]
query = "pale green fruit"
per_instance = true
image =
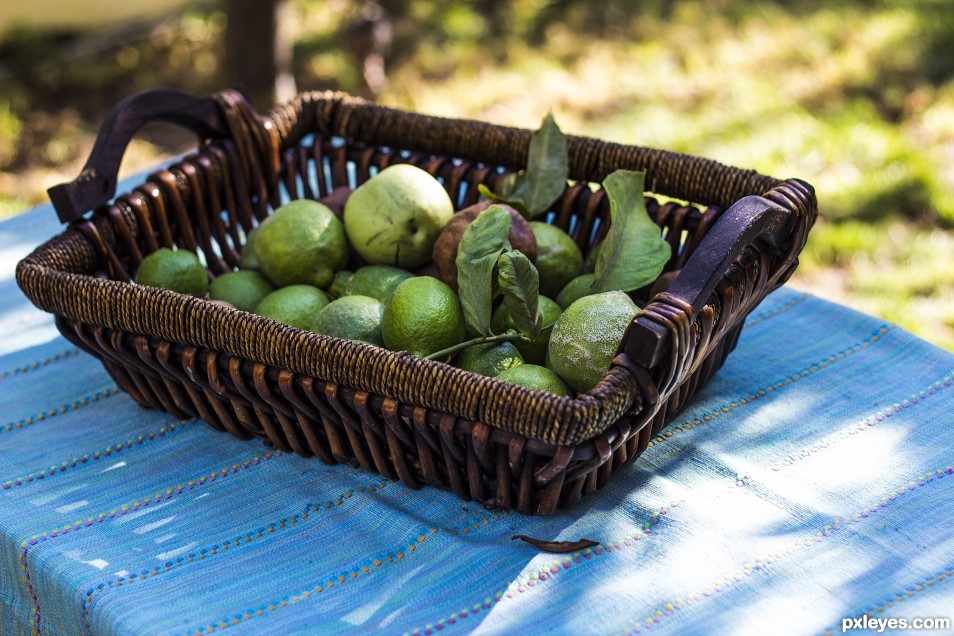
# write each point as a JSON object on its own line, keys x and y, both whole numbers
{"x": 394, "y": 218}
{"x": 302, "y": 242}
{"x": 586, "y": 335}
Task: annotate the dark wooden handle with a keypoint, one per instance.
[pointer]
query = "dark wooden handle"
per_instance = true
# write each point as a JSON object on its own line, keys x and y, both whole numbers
{"x": 751, "y": 218}
{"x": 96, "y": 184}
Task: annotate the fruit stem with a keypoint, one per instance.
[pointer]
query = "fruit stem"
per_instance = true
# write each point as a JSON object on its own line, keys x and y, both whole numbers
{"x": 509, "y": 336}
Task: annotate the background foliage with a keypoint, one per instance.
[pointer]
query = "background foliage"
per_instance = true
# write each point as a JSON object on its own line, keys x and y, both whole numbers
{"x": 856, "y": 97}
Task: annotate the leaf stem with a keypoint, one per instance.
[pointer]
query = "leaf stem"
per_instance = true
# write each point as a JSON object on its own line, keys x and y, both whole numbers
{"x": 509, "y": 336}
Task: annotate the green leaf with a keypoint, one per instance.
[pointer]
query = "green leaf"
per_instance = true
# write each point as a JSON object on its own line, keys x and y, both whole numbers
{"x": 520, "y": 285}
{"x": 532, "y": 191}
{"x": 504, "y": 196}
{"x": 545, "y": 177}
{"x": 481, "y": 244}
{"x": 633, "y": 253}
{"x": 507, "y": 185}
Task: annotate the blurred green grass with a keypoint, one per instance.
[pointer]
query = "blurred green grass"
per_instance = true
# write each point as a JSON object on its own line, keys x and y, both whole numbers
{"x": 856, "y": 97}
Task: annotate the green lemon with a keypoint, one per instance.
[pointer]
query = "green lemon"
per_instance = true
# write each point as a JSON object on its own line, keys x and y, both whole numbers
{"x": 535, "y": 377}
{"x": 295, "y": 305}
{"x": 586, "y": 336}
{"x": 423, "y": 317}
{"x": 559, "y": 259}
{"x": 377, "y": 281}
{"x": 489, "y": 358}
{"x": 575, "y": 289}
{"x": 394, "y": 217}
{"x": 179, "y": 270}
{"x": 535, "y": 351}
{"x": 249, "y": 255}
{"x": 341, "y": 283}
{"x": 243, "y": 289}
{"x": 352, "y": 318}
{"x": 302, "y": 242}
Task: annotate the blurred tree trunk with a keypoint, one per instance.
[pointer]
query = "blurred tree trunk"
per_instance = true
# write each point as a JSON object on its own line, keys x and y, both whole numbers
{"x": 368, "y": 35}
{"x": 258, "y": 50}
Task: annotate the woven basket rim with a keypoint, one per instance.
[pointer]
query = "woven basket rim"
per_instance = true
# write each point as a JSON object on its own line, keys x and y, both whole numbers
{"x": 291, "y": 348}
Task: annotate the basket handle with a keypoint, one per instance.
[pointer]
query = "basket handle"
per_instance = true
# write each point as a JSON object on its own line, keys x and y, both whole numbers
{"x": 750, "y": 218}
{"x": 96, "y": 184}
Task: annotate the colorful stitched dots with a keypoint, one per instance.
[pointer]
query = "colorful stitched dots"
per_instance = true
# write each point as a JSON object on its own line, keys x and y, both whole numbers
{"x": 868, "y": 422}
{"x": 758, "y": 564}
{"x": 6, "y": 375}
{"x": 774, "y": 312}
{"x": 39, "y": 417}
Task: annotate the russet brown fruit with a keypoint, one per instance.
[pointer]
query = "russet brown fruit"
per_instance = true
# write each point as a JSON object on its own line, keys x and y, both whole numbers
{"x": 445, "y": 248}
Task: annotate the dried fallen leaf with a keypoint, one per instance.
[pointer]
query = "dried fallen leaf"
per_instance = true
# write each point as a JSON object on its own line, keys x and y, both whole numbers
{"x": 558, "y": 547}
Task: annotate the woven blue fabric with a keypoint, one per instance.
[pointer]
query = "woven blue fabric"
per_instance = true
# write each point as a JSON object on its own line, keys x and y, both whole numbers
{"x": 809, "y": 482}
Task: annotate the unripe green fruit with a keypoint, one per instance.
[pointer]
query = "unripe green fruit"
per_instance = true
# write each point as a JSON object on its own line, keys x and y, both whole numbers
{"x": 395, "y": 217}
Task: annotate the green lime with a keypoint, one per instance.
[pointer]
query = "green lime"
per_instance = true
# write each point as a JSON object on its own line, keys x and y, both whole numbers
{"x": 575, "y": 289}
{"x": 341, "y": 284}
{"x": 586, "y": 336}
{"x": 377, "y": 281}
{"x": 243, "y": 289}
{"x": 302, "y": 242}
{"x": 559, "y": 259}
{"x": 533, "y": 352}
{"x": 394, "y": 217}
{"x": 489, "y": 358}
{"x": 249, "y": 255}
{"x": 423, "y": 316}
{"x": 295, "y": 305}
{"x": 535, "y": 376}
{"x": 179, "y": 270}
{"x": 351, "y": 318}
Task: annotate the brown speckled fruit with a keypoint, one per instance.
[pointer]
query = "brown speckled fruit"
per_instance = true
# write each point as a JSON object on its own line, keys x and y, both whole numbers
{"x": 445, "y": 248}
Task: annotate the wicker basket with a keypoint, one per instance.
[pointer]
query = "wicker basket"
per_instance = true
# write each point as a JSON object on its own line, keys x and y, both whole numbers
{"x": 735, "y": 236}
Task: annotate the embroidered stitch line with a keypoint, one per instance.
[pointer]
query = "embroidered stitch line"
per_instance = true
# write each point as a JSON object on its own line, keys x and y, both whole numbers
{"x": 771, "y": 313}
{"x": 26, "y": 544}
{"x": 222, "y": 548}
{"x": 365, "y": 567}
{"x": 772, "y": 387}
{"x": 26, "y": 368}
{"x": 60, "y": 410}
{"x": 547, "y": 572}
{"x": 866, "y": 423}
{"x": 900, "y": 597}
{"x": 109, "y": 451}
{"x": 672, "y": 607}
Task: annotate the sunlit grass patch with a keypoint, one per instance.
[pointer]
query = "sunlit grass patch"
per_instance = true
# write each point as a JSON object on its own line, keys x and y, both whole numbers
{"x": 890, "y": 269}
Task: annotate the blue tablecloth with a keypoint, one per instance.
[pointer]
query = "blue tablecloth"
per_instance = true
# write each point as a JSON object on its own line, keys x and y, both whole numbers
{"x": 810, "y": 482}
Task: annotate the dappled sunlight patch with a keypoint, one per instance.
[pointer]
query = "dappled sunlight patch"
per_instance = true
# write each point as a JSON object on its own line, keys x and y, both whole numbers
{"x": 881, "y": 416}
{"x": 791, "y": 545}
{"x": 784, "y": 411}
